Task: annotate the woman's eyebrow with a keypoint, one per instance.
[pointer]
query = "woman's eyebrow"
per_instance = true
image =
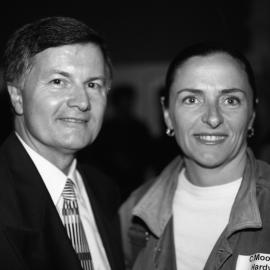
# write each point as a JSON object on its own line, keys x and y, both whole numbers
{"x": 223, "y": 91}
{"x": 233, "y": 90}
{"x": 190, "y": 90}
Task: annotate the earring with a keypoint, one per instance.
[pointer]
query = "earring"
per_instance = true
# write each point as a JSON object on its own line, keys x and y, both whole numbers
{"x": 170, "y": 132}
{"x": 250, "y": 132}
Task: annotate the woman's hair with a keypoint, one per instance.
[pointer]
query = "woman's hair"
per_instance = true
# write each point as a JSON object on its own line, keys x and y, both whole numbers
{"x": 204, "y": 49}
{"x": 42, "y": 34}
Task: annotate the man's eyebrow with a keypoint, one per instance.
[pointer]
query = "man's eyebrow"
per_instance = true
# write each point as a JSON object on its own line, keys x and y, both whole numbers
{"x": 69, "y": 75}
{"x": 103, "y": 78}
{"x": 60, "y": 72}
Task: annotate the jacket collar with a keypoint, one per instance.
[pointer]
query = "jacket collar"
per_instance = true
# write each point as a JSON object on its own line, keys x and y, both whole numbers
{"x": 35, "y": 218}
{"x": 245, "y": 211}
{"x": 31, "y": 217}
{"x": 155, "y": 207}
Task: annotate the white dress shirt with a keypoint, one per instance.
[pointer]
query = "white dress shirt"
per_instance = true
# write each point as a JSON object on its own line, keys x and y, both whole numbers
{"x": 55, "y": 181}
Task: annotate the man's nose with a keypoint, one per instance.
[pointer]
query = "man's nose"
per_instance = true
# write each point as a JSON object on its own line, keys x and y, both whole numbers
{"x": 80, "y": 99}
{"x": 212, "y": 115}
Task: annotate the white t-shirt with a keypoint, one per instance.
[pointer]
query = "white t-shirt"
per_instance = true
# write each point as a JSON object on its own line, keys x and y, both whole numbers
{"x": 200, "y": 214}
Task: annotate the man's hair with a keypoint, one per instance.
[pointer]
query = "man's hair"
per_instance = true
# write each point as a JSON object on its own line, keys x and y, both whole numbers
{"x": 42, "y": 34}
{"x": 205, "y": 49}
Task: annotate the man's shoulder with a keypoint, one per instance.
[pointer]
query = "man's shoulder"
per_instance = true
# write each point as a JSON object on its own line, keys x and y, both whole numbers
{"x": 101, "y": 185}
{"x": 12, "y": 153}
{"x": 95, "y": 177}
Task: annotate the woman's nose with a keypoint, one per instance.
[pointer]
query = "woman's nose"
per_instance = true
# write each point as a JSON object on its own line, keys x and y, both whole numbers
{"x": 212, "y": 116}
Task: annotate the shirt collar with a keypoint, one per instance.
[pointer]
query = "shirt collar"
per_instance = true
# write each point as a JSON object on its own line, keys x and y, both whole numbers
{"x": 53, "y": 178}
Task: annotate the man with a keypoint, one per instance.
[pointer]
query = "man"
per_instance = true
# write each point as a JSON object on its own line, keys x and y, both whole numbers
{"x": 56, "y": 213}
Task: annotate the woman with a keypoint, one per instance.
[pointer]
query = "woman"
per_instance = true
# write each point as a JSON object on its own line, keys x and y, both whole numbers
{"x": 210, "y": 207}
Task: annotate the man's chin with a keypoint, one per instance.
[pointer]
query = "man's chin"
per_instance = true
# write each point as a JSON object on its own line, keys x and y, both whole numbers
{"x": 72, "y": 148}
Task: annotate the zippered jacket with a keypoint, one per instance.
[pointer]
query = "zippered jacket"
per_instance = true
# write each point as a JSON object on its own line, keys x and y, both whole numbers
{"x": 147, "y": 226}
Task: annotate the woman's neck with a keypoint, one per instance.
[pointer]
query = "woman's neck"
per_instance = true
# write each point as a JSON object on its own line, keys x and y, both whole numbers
{"x": 204, "y": 176}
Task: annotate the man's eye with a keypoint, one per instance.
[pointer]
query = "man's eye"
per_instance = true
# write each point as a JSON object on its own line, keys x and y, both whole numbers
{"x": 93, "y": 85}
{"x": 57, "y": 82}
{"x": 98, "y": 86}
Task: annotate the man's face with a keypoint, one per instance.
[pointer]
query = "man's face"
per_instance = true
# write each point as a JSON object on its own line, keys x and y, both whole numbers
{"x": 61, "y": 106}
{"x": 210, "y": 109}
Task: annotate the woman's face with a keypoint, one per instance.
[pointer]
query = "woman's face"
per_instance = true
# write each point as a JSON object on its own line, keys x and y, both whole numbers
{"x": 210, "y": 109}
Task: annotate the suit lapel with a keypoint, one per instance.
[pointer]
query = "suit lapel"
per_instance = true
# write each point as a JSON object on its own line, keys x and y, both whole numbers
{"x": 33, "y": 227}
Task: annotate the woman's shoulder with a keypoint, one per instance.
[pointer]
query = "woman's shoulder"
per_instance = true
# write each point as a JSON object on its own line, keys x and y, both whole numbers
{"x": 142, "y": 190}
{"x": 263, "y": 173}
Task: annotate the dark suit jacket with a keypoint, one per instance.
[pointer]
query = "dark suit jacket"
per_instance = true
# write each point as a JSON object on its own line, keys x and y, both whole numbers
{"x": 31, "y": 232}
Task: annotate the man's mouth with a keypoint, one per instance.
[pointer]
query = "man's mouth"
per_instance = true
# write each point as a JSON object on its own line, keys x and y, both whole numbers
{"x": 74, "y": 120}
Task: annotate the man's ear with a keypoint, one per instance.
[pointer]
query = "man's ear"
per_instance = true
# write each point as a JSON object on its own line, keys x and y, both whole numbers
{"x": 16, "y": 99}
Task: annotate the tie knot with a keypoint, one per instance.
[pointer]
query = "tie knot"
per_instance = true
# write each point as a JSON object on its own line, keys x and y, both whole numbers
{"x": 69, "y": 192}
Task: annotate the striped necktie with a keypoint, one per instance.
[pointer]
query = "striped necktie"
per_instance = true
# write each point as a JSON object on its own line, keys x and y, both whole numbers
{"x": 74, "y": 227}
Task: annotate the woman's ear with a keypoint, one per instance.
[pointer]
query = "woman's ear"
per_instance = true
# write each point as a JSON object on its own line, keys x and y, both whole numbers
{"x": 166, "y": 115}
{"x": 251, "y": 121}
{"x": 16, "y": 99}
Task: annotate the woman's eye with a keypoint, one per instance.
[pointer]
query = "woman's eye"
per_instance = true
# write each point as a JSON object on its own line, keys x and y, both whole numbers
{"x": 190, "y": 100}
{"x": 232, "y": 101}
